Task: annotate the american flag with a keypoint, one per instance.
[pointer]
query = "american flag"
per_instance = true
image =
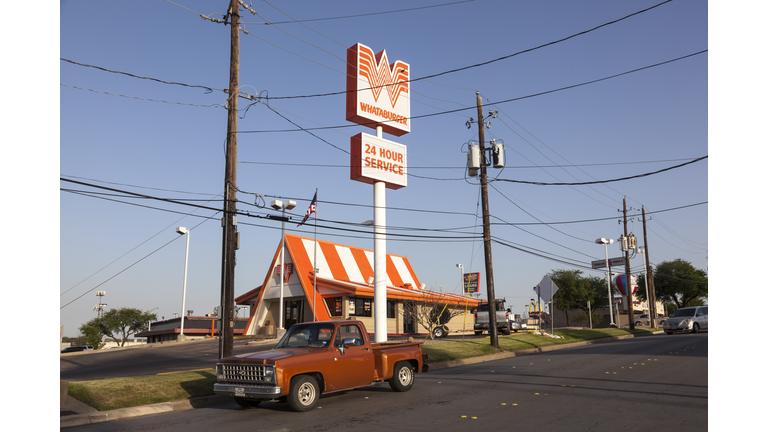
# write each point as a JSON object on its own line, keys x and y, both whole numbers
{"x": 310, "y": 210}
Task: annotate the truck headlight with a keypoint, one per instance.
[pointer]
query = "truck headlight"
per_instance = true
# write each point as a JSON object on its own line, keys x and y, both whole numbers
{"x": 269, "y": 374}
{"x": 219, "y": 372}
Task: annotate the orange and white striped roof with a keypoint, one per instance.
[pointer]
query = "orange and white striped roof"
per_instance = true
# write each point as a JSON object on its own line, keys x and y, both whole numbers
{"x": 346, "y": 263}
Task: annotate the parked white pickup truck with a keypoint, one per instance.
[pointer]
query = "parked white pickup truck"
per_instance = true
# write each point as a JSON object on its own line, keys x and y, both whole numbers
{"x": 482, "y": 323}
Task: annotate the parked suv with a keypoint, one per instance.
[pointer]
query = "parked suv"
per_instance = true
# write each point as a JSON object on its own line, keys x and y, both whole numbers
{"x": 643, "y": 320}
{"x": 691, "y": 319}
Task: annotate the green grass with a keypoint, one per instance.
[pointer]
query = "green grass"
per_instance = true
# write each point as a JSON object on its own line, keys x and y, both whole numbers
{"x": 116, "y": 393}
{"x": 445, "y": 351}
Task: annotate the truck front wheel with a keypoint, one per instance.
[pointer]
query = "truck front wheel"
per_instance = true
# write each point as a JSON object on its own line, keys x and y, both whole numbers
{"x": 304, "y": 393}
{"x": 402, "y": 377}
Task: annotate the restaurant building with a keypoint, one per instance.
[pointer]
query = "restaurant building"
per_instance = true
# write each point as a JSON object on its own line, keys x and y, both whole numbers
{"x": 343, "y": 288}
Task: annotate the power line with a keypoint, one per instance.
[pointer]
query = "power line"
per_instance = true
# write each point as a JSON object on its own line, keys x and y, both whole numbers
{"x": 143, "y": 99}
{"x": 431, "y": 211}
{"x": 496, "y": 59}
{"x": 491, "y": 103}
{"x": 358, "y": 15}
{"x": 604, "y": 181}
{"x": 463, "y": 167}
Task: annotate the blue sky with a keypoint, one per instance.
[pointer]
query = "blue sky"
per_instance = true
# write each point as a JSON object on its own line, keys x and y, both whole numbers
{"x": 167, "y": 141}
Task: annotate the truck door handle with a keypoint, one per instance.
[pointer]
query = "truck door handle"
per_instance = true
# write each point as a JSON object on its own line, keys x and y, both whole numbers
{"x": 365, "y": 348}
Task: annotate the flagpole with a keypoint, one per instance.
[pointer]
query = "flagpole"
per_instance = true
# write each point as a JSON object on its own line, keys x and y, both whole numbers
{"x": 314, "y": 260}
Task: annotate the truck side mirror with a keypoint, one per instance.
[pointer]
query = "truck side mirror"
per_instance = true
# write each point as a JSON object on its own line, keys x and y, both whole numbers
{"x": 343, "y": 346}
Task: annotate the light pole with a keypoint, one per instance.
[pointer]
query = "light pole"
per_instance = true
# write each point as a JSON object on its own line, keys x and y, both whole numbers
{"x": 651, "y": 319}
{"x": 461, "y": 277}
{"x": 182, "y": 231}
{"x": 605, "y": 242}
{"x": 280, "y": 205}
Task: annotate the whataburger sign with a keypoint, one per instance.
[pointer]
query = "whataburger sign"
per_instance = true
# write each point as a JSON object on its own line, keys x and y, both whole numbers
{"x": 378, "y": 95}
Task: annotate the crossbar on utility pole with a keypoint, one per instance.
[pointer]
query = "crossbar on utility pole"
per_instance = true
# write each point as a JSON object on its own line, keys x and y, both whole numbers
{"x": 492, "y": 330}
{"x": 226, "y": 339}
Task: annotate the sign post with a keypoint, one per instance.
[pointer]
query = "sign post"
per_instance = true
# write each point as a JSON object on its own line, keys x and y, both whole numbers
{"x": 378, "y": 96}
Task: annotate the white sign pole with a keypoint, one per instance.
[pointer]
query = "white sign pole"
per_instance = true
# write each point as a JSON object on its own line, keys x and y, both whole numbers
{"x": 379, "y": 258}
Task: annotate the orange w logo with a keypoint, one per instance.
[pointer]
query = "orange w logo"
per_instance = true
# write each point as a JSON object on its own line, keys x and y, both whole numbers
{"x": 376, "y": 70}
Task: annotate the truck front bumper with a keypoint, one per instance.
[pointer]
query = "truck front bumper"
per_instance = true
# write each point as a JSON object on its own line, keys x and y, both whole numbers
{"x": 248, "y": 391}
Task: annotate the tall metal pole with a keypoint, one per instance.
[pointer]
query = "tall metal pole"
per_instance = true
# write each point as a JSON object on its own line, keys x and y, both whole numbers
{"x": 282, "y": 269}
{"x": 627, "y": 280}
{"x": 184, "y": 291}
{"x": 647, "y": 297}
{"x": 608, "y": 279}
{"x": 379, "y": 257}
{"x": 649, "y": 274}
{"x": 230, "y": 185}
{"x": 493, "y": 331}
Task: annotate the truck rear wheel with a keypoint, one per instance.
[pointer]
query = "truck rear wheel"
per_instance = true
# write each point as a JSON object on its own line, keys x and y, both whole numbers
{"x": 304, "y": 393}
{"x": 402, "y": 377}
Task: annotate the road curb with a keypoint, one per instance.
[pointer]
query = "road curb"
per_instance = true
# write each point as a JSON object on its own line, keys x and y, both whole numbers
{"x": 121, "y": 413}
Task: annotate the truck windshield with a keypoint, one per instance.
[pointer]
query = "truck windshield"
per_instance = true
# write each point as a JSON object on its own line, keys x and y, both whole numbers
{"x": 315, "y": 335}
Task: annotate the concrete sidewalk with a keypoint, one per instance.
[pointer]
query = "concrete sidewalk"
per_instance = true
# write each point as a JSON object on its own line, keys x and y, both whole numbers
{"x": 76, "y": 413}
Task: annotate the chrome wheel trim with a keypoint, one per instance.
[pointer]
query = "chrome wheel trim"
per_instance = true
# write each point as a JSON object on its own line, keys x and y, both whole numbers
{"x": 405, "y": 375}
{"x": 306, "y": 394}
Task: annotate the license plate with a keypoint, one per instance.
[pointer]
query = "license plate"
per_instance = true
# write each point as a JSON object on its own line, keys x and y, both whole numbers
{"x": 239, "y": 391}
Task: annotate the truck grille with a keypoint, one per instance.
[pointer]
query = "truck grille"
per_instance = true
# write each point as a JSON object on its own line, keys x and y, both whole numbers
{"x": 246, "y": 373}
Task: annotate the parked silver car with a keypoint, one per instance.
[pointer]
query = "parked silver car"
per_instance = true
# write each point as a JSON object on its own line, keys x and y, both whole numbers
{"x": 641, "y": 320}
{"x": 690, "y": 319}
{"x": 516, "y": 326}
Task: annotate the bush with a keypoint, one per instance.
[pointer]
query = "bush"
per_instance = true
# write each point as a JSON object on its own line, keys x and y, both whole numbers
{"x": 582, "y": 319}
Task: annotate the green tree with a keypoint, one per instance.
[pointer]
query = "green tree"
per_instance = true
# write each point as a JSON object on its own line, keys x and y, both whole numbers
{"x": 90, "y": 334}
{"x": 573, "y": 291}
{"x": 678, "y": 282}
{"x": 119, "y": 324}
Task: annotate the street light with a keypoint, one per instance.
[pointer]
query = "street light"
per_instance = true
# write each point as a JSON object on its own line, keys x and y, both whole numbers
{"x": 182, "y": 231}
{"x": 280, "y": 205}
{"x": 605, "y": 242}
{"x": 461, "y": 277}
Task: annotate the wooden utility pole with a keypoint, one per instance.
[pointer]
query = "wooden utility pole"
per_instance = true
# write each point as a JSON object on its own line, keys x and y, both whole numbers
{"x": 627, "y": 276}
{"x": 652, "y": 314}
{"x": 226, "y": 339}
{"x": 492, "y": 330}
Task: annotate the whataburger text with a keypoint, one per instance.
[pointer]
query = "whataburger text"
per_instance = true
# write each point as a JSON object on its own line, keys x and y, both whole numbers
{"x": 364, "y": 107}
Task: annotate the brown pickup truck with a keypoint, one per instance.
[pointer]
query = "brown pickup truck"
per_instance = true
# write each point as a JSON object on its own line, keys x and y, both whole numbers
{"x": 318, "y": 358}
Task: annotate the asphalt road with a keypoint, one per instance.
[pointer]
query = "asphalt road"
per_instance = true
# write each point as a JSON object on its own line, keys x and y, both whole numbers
{"x": 640, "y": 384}
{"x": 171, "y": 357}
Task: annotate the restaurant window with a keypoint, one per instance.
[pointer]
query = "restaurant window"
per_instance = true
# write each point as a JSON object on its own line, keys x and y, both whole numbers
{"x": 391, "y": 308}
{"x": 334, "y": 306}
{"x": 360, "y": 306}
